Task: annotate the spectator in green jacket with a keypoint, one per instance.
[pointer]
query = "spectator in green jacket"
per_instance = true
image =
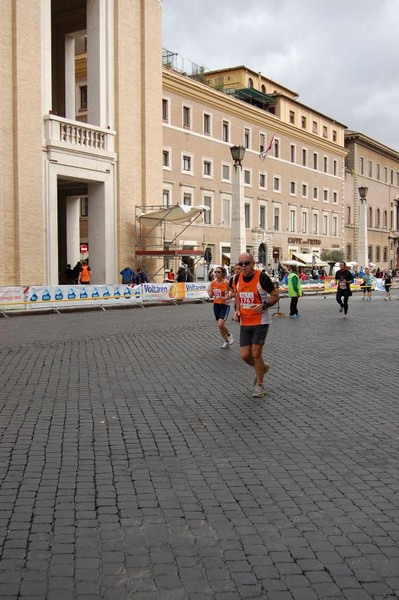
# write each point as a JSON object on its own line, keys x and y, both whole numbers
{"x": 294, "y": 291}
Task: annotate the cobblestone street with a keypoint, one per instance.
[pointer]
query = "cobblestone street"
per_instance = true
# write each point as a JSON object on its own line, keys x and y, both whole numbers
{"x": 135, "y": 463}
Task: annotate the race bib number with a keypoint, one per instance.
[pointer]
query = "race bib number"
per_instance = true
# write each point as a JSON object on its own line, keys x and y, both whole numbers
{"x": 342, "y": 285}
{"x": 246, "y": 300}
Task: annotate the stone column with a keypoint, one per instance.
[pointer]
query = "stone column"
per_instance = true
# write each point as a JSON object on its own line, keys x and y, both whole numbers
{"x": 72, "y": 228}
{"x": 362, "y": 250}
{"x": 238, "y": 245}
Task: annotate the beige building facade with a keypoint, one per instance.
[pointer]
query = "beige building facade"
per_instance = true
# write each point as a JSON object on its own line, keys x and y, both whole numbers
{"x": 77, "y": 143}
{"x": 372, "y": 165}
{"x": 294, "y": 196}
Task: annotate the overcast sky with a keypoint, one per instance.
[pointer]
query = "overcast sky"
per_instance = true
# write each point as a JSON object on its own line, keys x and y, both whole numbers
{"x": 340, "y": 56}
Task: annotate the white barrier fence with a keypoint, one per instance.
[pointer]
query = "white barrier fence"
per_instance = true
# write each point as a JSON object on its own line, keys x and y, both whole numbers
{"x": 70, "y": 296}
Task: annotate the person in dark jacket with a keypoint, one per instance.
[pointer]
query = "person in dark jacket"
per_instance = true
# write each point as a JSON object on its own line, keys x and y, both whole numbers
{"x": 127, "y": 275}
{"x": 181, "y": 274}
{"x": 140, "y": 277}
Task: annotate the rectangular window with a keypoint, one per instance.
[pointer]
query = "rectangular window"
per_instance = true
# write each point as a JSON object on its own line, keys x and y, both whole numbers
{"x": 335, "y": 226}
{"x": 314, "y": 127}
{"x": 349, "y": 251}
{"x": 325, "y": 224}
{"x": 361, "y": 166}
{"x": 334, "y": 135}
{"x": 226, "y": 172}
{"x": 247, "y": 215}
{"x": 83, "y": 98}
{"x": 262, "y": 217}
{"x": 166, "y": 198}
{"x": 391, "y": 177}
{"x": 276, "y": 148}
{"x": 385, "y": 175}
{"x": 325, "y": 164}
{"x": 378, "y": 172}
{"x": 207, "y": 168}
{"x": 165, "y": 110}
{"x": 304, "y": 157}
{"x": 187, "y": 199}
{"x": 247, "y": 137}
{"x": 84, "y": 206}
{"x": 325, "y": 133}
{"x": 348, "y": 215}
{"x": 187, "y": 163}
{"x": 335, "y": 197}
{"x": 276, "y": 218}
{"x": 292, "y": 117}
{"x": 325, "y": 195}
{"x": 226, "y": 211}
{"x": 207, "y": 124}
{"x": 225, "y": 131}
{"x": 303, "y": 122}
{"x": 166, "y": 158}
{"x": 335, "y": 167}
{"x": 304, "y": 190}
{"x": 304, "y": 222}
{"x": 262, "y": 142}
{"x": 262, "y": 180}
{"x": 315, "y": 223}
{"x": 292, "y": 221}
{"x": 208, "y": 213}
{"x": 292, "y": 188}
{"x": 315, "y": 193}
{"x": 370, "y": 168}
{"x": 315, "y": 160}
{"x": 276, "y": 184}
{"x": 370, "y": 253}
{"x": 377, "y": 254}
{"x": 187, "y": 117}
{"x": 292, "y": 153}
{"x": 385, "y": 254}
{"x": 247, "y": 177}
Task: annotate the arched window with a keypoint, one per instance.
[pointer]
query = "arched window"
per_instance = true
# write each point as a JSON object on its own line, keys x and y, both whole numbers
{"x": 263, "y": 88}
{"x": 262, "y": 254}
{"x": 250, "y": 82}
{"x": 370, "y": 217}
{"x": 377, "y": 218}
{"x": 385, "y": 224}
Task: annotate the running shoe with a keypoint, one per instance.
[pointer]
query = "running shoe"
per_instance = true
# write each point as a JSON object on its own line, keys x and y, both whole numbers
{"x": 265, "y": 370}
{"x": 341, "y": 309}
{"x": 230, "y": 338}
{"x": 225, "y": 345}
{"x": 259, "y": 392}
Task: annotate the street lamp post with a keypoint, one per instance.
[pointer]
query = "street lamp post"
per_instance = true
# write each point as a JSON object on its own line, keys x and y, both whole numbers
{"x": 362, "y": 250}
{"x": 237, "y": 245}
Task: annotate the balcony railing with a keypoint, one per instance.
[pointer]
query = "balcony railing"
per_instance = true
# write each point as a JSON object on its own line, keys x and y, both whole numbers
{"x": 78, "y": 136}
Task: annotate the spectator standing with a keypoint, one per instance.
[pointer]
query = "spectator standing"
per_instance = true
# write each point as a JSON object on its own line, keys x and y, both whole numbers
{"x": 69, "y": 274}
{"x": 343, "y": 278}
{"x": 387, "y": 279}
{"x": 76, "y": 271}
{"x": 294, "y": 292}
{"x": 84, "y": 273}
{"x": 181, "y": 274}
{"x": 140, "y": 277}
{"x": 127, "y": 275}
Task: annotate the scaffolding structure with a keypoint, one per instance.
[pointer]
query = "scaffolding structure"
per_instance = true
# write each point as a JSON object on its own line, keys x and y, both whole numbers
{"x": 158, "y": 236}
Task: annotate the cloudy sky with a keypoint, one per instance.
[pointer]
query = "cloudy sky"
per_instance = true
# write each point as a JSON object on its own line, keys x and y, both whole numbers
{"x": 340, "y": 56}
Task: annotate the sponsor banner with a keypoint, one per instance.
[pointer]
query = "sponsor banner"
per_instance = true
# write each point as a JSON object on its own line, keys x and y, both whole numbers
{"x": 63, "y": 296}
{"x": 167, "y": 292}
{"x": 196, "y": 290}
{"x": 12, "y": 298}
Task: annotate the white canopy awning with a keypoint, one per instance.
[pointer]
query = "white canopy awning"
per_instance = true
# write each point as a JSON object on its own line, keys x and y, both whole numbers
{"x": 310, "y": 260}
{"x": 180, "y": 213}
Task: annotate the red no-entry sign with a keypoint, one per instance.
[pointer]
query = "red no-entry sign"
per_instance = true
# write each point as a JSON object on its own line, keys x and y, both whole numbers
{"x": 83, "y": 248}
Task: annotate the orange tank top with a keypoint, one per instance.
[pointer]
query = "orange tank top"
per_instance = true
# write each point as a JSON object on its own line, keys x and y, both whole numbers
{"x": 220, "y": 291}
{"x": 251, "y": 294}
